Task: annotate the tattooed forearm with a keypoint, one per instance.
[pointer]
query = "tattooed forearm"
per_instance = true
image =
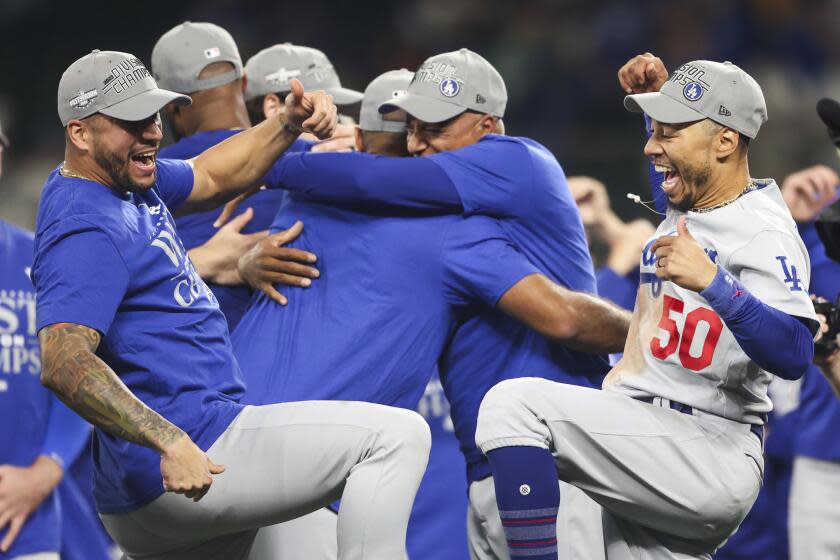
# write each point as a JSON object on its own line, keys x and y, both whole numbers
{"x": 87, "y": 385}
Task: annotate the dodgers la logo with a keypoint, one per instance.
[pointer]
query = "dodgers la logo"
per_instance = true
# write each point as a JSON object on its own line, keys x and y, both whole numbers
{"x": 791, "y": 275}
{"x": 693, "y": 91}
{"x": 450, "y": 87}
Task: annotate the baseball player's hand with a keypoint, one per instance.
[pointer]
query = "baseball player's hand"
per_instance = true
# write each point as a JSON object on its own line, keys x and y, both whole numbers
{"x": 186, "y": 469}
{"x": 216, "y": 261}
{"x": 312, "y": 112}
{"x": 808, "y": 191}
{"x": 681, "y": 260}
{"x": 269, "y": 262}
{"x": 626, "y": 248}
{"x": 343, "y": 140}
{"x": 643, "y": 73}
{"x": 22, "y": 490}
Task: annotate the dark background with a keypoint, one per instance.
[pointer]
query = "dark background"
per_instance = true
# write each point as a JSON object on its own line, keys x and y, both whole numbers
{"x": 559, "y": 60}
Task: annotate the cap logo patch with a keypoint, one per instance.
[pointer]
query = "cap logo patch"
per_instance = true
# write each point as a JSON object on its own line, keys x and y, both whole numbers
{"x": 449, "y": 87}
{"x": 724, "y": 111}
{"x": 124, "y": 75}
{"x": 693, "y": 91}
{"x": 437, "y": 73}
{"x": 398, "y": 93}
{"x": 480, "y": 98}
{"x": 212, "y": 52}
{"x": 282, "y": 77}
{"x": 83, "y": 99}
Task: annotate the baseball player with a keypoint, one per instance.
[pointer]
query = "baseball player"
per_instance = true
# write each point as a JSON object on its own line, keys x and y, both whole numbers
{"x": 455, "y": 104}
{"x": 671, "y": 449}
{"x": 39, "y": 437}
{"x": 404, "y": 279}
{"x": 202, "y": 60}
{"x": 133, "y": 340}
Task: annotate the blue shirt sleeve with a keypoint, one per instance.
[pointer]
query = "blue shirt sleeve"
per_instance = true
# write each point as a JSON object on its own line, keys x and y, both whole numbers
{"x": 174, "y": 180}
{"x": 67, "y": 434}
{"x": 481, "y": 263}
{"x": 777, "y": 342}
{"x": 356, "y": 178}
{"x": 492, "y": 177}
{"x": 79, "y": 276}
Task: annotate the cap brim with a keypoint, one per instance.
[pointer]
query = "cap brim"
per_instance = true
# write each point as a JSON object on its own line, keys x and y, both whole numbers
{"x": 661, "y": 108}
{"x": 344, "y": 96}
{"x": 144, "y": 105}
{"x": 423, "y": 108}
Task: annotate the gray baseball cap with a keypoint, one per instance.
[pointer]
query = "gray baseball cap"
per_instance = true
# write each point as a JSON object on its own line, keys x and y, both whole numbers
{"x": 448, "y": 84}
{"x": 382, "y": 89}
{"x": 114, "y": 84}
{"x": 185, "y": 50}
{"x": 703, "y": 89}
{"x": 271, "y": 70}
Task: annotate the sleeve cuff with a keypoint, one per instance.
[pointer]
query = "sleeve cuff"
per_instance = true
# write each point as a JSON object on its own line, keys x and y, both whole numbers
{"x": 725, "y": 294}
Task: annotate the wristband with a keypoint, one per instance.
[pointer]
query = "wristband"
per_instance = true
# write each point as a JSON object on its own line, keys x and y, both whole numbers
{"x": 725, "y": 294}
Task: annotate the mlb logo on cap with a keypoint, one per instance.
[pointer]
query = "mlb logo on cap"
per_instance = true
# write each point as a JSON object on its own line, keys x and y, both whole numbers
{"x": 212, "y": 52}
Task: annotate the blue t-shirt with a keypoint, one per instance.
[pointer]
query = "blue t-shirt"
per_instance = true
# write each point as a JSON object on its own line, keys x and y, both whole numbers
{"x": 438, "y": 524}
{"x": 195, "y": 229}
{"x": 24, "y": 403}
{"x": 114, "y": 262}
{"x": 515, "y": 180}
{"x": 372, "y": 327}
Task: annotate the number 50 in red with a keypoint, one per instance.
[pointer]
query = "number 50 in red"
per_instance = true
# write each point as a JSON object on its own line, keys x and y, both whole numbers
{"x": 684, "y": 342}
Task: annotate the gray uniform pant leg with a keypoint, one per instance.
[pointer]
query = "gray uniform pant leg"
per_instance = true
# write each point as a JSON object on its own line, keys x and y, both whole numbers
{"x": 579, "y": 531}
{"x": 311, "y": 537}
{"x": 38, "y": 556}
{"x": 284, "y": 461}
{"x": 814, "y": 515}
{"x": 688, "y": 479}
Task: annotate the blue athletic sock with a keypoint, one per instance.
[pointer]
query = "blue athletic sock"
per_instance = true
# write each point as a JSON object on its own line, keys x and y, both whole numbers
{"x": 528, "y": 496}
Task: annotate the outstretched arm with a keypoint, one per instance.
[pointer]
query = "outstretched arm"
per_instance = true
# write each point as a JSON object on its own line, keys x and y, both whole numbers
{"x": 239, "y": 164}
{"x": 578, "y": 320}
{"x": 87, "y": 385}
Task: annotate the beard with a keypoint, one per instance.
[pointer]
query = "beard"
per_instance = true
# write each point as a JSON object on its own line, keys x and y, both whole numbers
{"x": 116, "y": 167}
{"x": 698, "y": 177}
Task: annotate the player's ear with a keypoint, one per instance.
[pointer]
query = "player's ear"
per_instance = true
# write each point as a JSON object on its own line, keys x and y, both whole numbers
{"x": 360, "y": 140}
{"x": 272, "y": 104}
{"x": 727, "y": 142}
{"x": 487, "y": 124}
{"x": 79, "y": 134}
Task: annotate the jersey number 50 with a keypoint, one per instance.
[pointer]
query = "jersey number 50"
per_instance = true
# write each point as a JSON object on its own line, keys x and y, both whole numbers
{"x": 685, "y": 341}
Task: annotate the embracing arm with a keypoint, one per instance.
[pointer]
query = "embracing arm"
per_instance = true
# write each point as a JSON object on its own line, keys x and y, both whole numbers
{"x": 357, "y": 178}
{"x": 578, "y": 320}
{"x": 91, "y": 388}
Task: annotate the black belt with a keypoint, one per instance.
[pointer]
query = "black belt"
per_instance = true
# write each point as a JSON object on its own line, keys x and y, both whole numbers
{"x": 757, "y": 429}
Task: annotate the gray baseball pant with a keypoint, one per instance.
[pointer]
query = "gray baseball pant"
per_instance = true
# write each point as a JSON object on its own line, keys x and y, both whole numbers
{"x": 671, "y": 485}
{"x": 814, "y": 514}
{"x": 284, "y": 461}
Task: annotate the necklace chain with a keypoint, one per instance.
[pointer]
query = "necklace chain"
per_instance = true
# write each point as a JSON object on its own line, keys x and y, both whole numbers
{"x": 65, "y": 171}
{"x": 751, "y": 186}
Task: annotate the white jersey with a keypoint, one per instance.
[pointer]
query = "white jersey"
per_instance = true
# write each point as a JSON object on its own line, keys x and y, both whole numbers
{"x": 678, "y": 348}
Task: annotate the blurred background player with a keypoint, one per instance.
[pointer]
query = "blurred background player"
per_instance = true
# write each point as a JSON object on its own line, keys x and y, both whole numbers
{"x": 202, "y": 60}
{"x": 816, "y": 466}
{"x": 456, "y": 100}
{"x": 616, "y": 246}
{"x": 43, "y": 513}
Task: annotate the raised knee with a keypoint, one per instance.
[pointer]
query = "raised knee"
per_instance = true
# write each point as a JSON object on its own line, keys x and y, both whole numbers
{"x": 504, "y": 413}
{"x": 411, "y": 431}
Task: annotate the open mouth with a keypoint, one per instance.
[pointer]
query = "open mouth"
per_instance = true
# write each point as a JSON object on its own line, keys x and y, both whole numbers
{"x": 144, "y": 161}
{"x": 672, "y": 177}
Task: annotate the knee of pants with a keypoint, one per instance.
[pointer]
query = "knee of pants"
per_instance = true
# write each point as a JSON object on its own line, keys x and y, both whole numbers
{"x": 505, "y": 415}
{"x": 407, "y": 434}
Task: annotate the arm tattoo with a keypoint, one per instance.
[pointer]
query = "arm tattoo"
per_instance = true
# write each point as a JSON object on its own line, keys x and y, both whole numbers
{"x": 87, "y": 385}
